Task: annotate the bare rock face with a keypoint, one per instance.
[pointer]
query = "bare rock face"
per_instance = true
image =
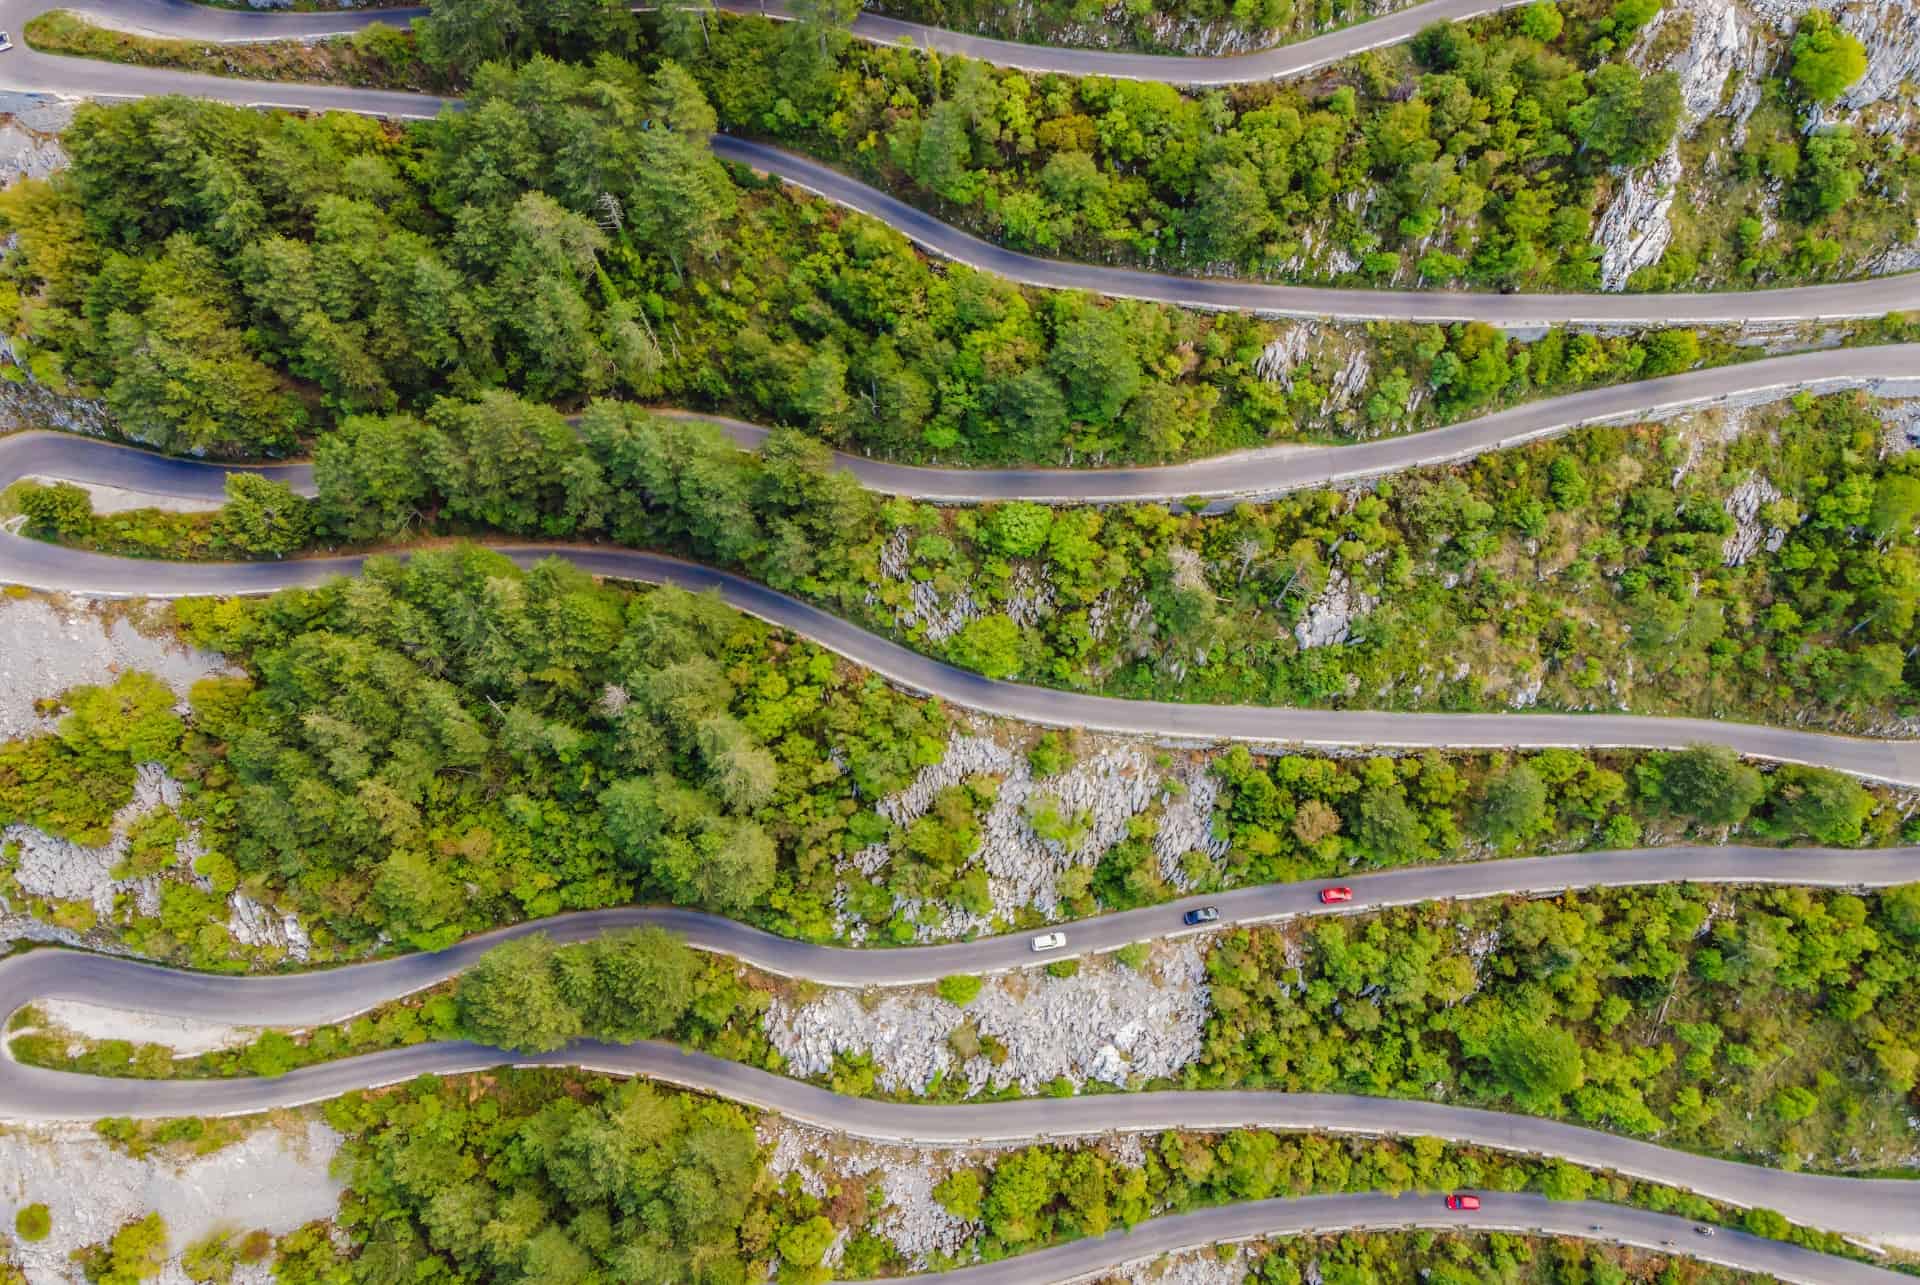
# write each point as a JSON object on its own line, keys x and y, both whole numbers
{"x": 1890, "y": 30}
{"x": 1723, "y": 42}
{"x": 1750, "y": 530}
{"x": 913, "y": 1221}
{"x": 66, "y": 871}
{"x": 261, "y": 926}
{"x": 30, "y": 126}
{"x": 1106, "y": 790}
{"x": 25, "y": 402}
{"x": 1107, "y": 1022}
{"x": 1635, "y": 231}
{"x": 1329, "y": 618}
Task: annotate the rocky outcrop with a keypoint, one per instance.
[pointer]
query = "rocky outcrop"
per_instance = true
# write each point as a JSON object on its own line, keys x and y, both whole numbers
{"x": 1750, "y": 531}
{"x": 264, "y": 928}
{"x": 1107, "y": 1022}
{"x": 1102, "y": 793}
{"x": 1329, "y": 619}
{"x": 1634, "y": 231}
{"x": 62, "y": 870}
{"x": 912, "y": 1220}
{"x": 1890, "y": 30}
{"x": 30, "y": 125}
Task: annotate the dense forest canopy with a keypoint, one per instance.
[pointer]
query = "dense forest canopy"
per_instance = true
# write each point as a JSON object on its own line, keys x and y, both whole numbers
{"x": 1575, "y": 561}
{"x": 562, "y": 1180}
{"x": 235, "y": 283}
{"x": 1779, "y": 1025}
{"x": 1483, "y": 152}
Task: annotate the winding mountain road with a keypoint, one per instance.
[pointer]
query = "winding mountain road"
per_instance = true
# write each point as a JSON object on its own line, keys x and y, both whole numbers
{"x": 1863, "y": 1207}
{"x": 1318, "y": 1215}
{"x": 1851, "y": 1206}
{"x": 1269, "y": 471}
{"x": 1849, "y": 300}
{"x": 1245, "y": 475}
{"x": 1859, "y": 1207}
{"x": 182, "y": 19}
{"x": 27, "y": 70}
{"x": 55, "y": 568}
{"x": 335, "y": 994}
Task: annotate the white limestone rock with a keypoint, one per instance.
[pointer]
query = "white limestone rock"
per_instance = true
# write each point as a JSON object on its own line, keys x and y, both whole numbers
{"x": 1635, "y": 231}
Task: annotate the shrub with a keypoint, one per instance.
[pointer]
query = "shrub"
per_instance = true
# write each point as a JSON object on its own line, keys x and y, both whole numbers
{"x": 961, "y": 989}
{"x": 33, "y": 1222}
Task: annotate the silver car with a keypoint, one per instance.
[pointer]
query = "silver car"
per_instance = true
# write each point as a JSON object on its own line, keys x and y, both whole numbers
{"x": 1049, "y": 941}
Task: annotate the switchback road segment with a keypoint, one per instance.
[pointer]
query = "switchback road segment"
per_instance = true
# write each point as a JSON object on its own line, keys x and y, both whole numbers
{"x": 1252, "y": 474}
{"x": 25, "y": 69}
{"x": 1869, "y": 1208}
{"x": 55, "y": 568}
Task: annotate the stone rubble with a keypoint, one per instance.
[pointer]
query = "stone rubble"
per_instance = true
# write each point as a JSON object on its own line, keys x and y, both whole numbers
{"x": 184, "y": 1035}
{"x": 30, "y": 128}
{"x": 1330, "y": 616}
{"x": 68, "y": 871}
{"x": 1107, "y": 1022}
{"x": 1284, "y": 352}
{"x": 915, "y": 1223}
{"x": 48, "y": 644}
{"x": 1029, "y": 595}
{"x": 1750, "y": 532}
{"x": 1224, "y": 1265}
{"x": 1186, "y": 825}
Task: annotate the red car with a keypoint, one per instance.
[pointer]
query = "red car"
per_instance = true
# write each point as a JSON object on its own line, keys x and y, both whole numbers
{"x": 1463, "y": 1202}
{"x": 1328, "y": 896}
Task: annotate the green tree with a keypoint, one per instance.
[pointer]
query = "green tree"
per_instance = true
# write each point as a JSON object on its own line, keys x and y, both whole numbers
{"x": 1537, "y": 1065}
{"x": 1542, "y": 21}
{"x": 371, "y": 476}
{"x": 62, "y": 511}
{"x": 1515, "y": 807}
{"x": 805, "y": 1244}
{"x": 136, "y": 1253}
{"x": 1826, "y": 806}
{"x": 1826, "y": 59}
{"x": 989, "y": 645}
{"x": 1710, "y": 784}
{"x": 961, "y": 989}
{"x": 960, "y": 1194}
{"x": 511, "y": 998}
{"x": 629, "y": 986}
{"x": 1629, "y": 116}
{"x": 1902, "y": 905}
{"x": 262, "y": 516}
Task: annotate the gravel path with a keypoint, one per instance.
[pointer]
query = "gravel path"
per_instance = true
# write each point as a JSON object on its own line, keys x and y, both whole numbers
{"x": 273, "y": 1180}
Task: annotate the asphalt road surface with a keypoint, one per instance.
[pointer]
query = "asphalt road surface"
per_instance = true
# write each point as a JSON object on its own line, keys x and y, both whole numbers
{"x": 1860, "y": 1207}
{"x": 1253, "y": 474}
{"x": 51, "y": 567}
{"x": 1275, "y": 470}
{"x": 1373, "y": 1211}
{"x": 24, "y": 69}
{"x": 1278, "y": 63}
